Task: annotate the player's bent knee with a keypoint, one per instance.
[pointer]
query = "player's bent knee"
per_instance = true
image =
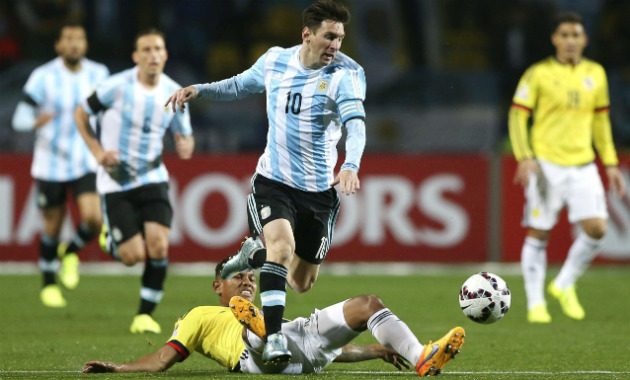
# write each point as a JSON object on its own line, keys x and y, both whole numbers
{"x": 369, "y": 303}
{"x": 302, "y": 287}
{"x": 130, "y": 259}
{"x": 596, "y": 232}
{"x": 158, "y": 249}
{"x": 130, "y": 253}
{"x": 542, "y": 235}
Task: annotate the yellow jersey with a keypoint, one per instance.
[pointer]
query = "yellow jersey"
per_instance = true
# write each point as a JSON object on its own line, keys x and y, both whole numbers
{"x": 212, "y": 331}
{"x": 570, "y": 110}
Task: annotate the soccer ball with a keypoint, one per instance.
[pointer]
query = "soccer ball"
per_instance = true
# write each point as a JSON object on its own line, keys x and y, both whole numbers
{"x": 485, "y": 297}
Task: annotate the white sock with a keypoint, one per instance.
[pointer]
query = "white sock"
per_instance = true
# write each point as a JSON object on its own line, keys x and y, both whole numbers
{"x": 393, "y": 333}
{"x": 255, "y": 343}
{"x": 582, "y": 252}
{"x": 534, "y": 266}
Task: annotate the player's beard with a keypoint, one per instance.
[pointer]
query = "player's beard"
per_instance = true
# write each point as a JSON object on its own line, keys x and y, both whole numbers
{"x": 72, "y": 61}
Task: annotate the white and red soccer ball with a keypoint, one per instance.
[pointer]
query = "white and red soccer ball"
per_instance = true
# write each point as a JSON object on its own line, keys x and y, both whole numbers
{"x": 485, "y": 297}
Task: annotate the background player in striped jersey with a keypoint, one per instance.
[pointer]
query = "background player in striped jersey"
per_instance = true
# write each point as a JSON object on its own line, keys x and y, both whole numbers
{"x": 61, "y": 160}
{"x": 131, "y": 176}
{"x": 316, "y": 341}
{"x": 567, "y": 96}
{"x": 312, "y": 90}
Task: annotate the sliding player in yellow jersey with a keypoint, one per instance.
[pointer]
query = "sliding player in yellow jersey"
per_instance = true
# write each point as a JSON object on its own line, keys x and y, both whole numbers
{"x": 567, "y": 97}
{"x": 217, "y": 333}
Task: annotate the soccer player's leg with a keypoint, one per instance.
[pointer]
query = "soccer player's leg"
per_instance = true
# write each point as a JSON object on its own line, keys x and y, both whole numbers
{"x": 248, "y": 315}
{"x": 89, "y": 205}
{"x": 152, "y": 291}
{"x": 543, "y": 203}
{"x": 157, "y": 214}
{"x": 273, "y": 276}
{"x": 587, "y": 205}
{"x": 435, "y": 355}
{"x": 51, "y": 200}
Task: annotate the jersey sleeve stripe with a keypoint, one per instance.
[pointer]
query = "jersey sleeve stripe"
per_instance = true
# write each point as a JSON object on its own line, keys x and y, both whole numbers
{"x": 515, "y": 128}
{"x": 603, "y": 109}
{"x": 179, "y": 347}
{"x": 29, "y": 100}
{"x": 516, "y": 105}
{"x": 351, "y": 109}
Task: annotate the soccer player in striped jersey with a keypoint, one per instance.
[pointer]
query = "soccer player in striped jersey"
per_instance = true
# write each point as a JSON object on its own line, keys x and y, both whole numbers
{"x": 217, "y": 333}
{"x": 61, "y": 160}
{"x": 567, "y": 97}
{"x": 312, "y": 90}
{"x": 131, "y": 176}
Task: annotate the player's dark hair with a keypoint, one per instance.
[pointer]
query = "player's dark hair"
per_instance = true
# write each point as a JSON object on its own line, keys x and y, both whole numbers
{"x": 220, "y": 265}
{"x": 147, "y": 32}
{"x": 324, "y": 10}
{"x": 69, "y": 24}
{"x": 570, "y": 17}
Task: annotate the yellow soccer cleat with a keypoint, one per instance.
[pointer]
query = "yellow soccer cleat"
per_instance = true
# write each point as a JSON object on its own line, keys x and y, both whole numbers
{"x": 143, "y": 323}
{"x": 435, "y": 355}
{"x": 51, "y": 296}
{"x": 248, "y": 315}
{"x": 69, "y": 274}
{"x": 102, "y": 239}
{"x": 538, "y": 314}
{"x": 568, "y": 301}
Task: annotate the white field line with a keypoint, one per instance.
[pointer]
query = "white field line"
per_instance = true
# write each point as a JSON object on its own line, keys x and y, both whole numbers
{"x": 492, "y": 372}
{"x": 540, "y": 373}
{"x": 335, "y": 269}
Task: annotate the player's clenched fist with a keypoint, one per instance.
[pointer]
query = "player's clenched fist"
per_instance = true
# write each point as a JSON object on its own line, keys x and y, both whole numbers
{"x": 180, "y": 97}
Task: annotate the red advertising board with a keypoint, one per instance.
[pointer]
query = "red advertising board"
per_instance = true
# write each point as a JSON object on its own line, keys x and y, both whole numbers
{"x": 409, "y": 208}
{"x": 616, "y": 243}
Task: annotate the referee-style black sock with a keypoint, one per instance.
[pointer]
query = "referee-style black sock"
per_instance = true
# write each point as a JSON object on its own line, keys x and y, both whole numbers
{"x": 273, "y": 278}
{"x": 48, "y": 258}
{"x": 83, "y": 236}
{"x": 152, "y": 285}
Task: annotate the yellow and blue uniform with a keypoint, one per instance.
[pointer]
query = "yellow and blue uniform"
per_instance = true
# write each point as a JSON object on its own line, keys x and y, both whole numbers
{"x": 569, "y": 105}
{"x": 212, "y": 331}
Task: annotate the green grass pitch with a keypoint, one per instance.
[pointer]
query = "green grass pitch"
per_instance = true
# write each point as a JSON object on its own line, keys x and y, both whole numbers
{"x": 41, "y": 343}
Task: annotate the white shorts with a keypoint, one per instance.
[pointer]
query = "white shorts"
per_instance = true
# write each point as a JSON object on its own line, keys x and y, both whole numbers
{"x": 314, "y": 342}
{"x": 578, "y": 187}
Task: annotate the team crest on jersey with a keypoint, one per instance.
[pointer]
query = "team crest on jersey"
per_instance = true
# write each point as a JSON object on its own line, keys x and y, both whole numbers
{"x": 589, "y": 83}
{"x": 322, "y": 86}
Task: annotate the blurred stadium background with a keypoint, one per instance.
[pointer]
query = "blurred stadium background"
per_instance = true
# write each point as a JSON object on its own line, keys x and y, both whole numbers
{"x": 437, "y": 173}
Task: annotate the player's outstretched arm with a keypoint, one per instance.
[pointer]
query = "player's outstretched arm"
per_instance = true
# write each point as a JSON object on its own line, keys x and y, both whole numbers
{"x": 181, "y": 97}
{"x": 158, "y": 361}
{"x": 356, "y": 353}
{"x": 184, "y": 145}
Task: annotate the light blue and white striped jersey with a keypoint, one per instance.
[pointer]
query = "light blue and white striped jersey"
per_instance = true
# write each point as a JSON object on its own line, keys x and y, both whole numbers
{"x": 305, "y": 109}
{"x": 60, "y": 152}
{"x": 134, "y": 122}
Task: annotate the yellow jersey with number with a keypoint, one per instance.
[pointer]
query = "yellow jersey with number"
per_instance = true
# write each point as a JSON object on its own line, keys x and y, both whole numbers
{"x": 569, "y": 106}
{"x": 212, "y": 331}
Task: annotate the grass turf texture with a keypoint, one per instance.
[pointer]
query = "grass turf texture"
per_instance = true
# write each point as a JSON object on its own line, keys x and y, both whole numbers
{"x": 42, "y": 343}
